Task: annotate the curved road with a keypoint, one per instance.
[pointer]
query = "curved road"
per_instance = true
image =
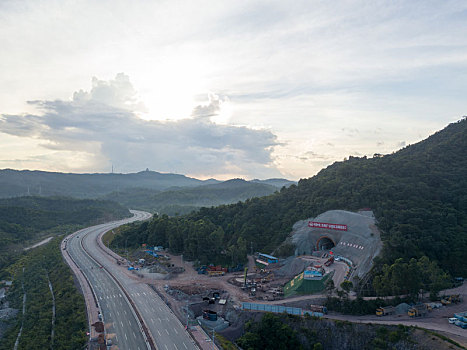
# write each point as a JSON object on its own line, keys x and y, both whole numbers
{"x": 120, "y": 319}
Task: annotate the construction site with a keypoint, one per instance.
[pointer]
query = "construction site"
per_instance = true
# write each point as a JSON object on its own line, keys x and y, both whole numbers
{"x": 336, "y": 245}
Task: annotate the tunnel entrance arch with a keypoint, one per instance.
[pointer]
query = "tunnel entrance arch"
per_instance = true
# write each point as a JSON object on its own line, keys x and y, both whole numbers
{"x": 325, "y": 243}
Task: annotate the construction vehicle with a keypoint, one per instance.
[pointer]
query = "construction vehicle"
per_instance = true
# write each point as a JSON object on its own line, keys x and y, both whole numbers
{"x": 387, "y": 310}
{"x": 329, "y": 261}
{"x": 418, "y": 310}
{"x": 319, "y": 308}
{"x": 449, "y": 299}
{"x": 462, "y": 316}
{"x": 215, "y": 273}
{"x": 445, "y": 302}
{"x": 455, "y": 298}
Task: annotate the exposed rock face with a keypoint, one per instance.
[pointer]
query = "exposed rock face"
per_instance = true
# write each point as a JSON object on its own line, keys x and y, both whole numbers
{"x": 359, "y": 241}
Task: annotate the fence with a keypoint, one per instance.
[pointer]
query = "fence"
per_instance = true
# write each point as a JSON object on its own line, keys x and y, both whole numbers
{"x": 278, "y": 309}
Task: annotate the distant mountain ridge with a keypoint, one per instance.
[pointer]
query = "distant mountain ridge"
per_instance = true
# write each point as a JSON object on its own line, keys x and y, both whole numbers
{"x": 186, "y": 199}
{"x": 14, "y": 183}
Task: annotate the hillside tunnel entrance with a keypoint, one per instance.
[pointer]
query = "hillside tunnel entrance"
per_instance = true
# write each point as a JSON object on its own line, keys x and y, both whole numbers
{"x": 325, "y": 243}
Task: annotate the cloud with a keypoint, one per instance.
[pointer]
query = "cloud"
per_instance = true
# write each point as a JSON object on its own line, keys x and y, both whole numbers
{"x": 103, "y": 122}
{"x": 211, "y": 109}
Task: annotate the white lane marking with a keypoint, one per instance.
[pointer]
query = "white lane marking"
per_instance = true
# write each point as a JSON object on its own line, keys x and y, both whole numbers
{"x": 184, "y": 345}
{"x": 126, "y": 337}
{"x": 160, "y": 320}
{"x": 160, "y": 335}
{"x": 166, "y": 331}
{"x": 121, "y": 323}
{"x": 175, "y": 346}
{"x": 152, "y": 320}
{"x": 175, "y": 331}
{"x": 134, "y": 334}
{"x": 166, "y": 347}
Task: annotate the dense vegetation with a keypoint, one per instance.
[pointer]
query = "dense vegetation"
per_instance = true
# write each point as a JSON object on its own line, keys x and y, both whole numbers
{"x": 16, "y": 183}
{"x": 418, "y": 194}
{"x": 20, "y": 183}
{"x": 41, "y": 265}
{"x": 27, "y": 219}
{"x": 293, "y": 332}
{"x": 184, "y": 200}
{"x": 270, "y": 333}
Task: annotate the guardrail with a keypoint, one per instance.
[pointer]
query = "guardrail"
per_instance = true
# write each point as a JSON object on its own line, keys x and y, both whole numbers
{"x": 146, "y": 333}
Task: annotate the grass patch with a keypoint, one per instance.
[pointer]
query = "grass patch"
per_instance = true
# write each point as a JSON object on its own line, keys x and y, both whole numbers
{"x": 443, "y": 337}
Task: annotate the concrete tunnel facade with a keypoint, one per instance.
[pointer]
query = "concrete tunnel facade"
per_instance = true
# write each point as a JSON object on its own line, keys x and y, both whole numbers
{"x": 351, "y": 235}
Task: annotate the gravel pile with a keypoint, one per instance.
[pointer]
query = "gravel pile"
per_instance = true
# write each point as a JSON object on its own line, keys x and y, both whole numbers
{"x": 292, "y": 266}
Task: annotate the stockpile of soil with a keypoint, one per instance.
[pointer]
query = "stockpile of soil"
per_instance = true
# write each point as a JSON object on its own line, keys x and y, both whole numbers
{"x": 291, "y": 267}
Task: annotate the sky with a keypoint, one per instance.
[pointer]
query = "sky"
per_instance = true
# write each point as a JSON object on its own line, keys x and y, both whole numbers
{"x": 223, "y": 89}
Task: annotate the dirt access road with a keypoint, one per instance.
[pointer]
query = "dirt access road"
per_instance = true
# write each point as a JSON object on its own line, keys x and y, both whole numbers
{"x": 436, "y": 320}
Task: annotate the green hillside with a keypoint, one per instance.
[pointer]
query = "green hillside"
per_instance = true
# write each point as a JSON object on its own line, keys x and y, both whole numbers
{"x": 418, "y": 194}
{"x": 15, "y": 183}
{"x": 185, "y": 200}
{"x": 24, "y": 220}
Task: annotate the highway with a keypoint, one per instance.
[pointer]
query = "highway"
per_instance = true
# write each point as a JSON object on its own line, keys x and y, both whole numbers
{"x": 120, "y": 318}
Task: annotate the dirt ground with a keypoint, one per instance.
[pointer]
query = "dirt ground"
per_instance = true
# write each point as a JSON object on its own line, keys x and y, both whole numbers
{"x": 190, "y": 287}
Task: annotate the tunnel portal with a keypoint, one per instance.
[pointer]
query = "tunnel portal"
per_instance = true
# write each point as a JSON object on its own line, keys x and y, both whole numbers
{"x": 325, "y": 243}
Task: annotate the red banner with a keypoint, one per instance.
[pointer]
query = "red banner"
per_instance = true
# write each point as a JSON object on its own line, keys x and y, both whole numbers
{"x": 338, "y": 227}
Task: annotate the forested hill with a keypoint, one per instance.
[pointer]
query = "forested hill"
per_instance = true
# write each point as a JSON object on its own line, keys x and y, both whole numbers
{"x": 418, "y": 194}
{"x": 14, "y": 183}
{"x": 185, "y": 200}
{"x": 27, "y": 219}
{"x": 20, "y": 183}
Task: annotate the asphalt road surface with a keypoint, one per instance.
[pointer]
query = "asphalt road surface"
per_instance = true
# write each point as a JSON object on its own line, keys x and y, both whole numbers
{"x": 121, "y": 323}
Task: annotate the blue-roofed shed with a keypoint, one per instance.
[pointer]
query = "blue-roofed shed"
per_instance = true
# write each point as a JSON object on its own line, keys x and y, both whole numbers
{"x": 269, "y": 258}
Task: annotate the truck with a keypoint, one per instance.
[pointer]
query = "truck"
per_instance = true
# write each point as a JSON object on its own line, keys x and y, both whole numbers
{"x": 215, "y": 273}
{"x": 329, "y": 261}
{"x": 461, "y": 316}
{"x": 319, "y": 308}
{"x": 418, "y": 310}
{"x": 387, "y": 310}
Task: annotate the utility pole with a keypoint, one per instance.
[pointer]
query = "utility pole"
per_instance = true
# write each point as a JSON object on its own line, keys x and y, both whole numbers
{"x": 213, "y": 335}
{"x": 126, "y": 250}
